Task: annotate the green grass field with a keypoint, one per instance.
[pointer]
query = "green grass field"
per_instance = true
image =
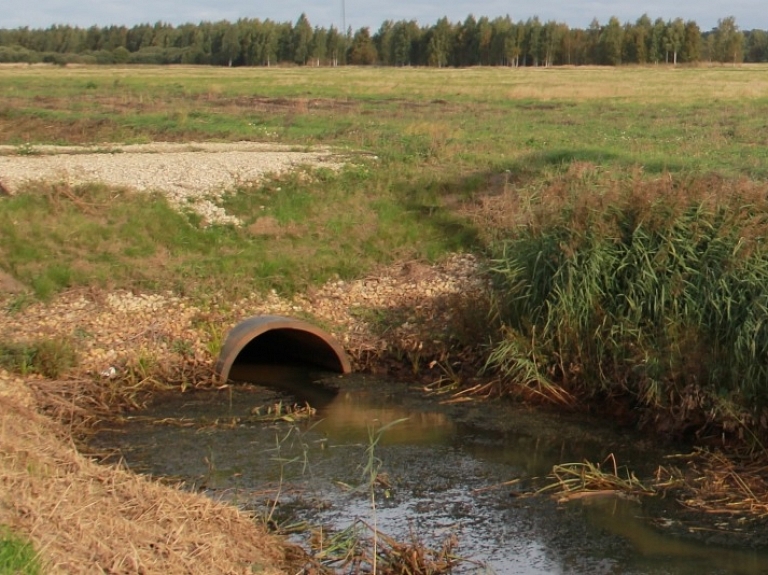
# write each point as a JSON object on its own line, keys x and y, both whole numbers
{"x": 587, "y": 170}
{"x": 443, "y": 140}
{"x": 467, "y": 120}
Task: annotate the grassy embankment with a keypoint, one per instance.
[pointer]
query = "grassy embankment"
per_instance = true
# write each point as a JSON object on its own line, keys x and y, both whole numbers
{"x": 623, "y": 207}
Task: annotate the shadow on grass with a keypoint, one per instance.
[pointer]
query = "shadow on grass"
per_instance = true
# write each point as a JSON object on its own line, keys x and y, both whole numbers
{"x": 538, "y": 161}
{"x": 448, "y": 207}
{"x": 432, "y": 204}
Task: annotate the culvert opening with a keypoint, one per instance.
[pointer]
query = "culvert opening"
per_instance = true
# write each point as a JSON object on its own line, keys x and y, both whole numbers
{"x": 276, "y": 340}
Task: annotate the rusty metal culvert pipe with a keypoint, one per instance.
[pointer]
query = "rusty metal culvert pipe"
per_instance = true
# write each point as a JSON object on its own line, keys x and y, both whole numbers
{"x": 280, "y": 340}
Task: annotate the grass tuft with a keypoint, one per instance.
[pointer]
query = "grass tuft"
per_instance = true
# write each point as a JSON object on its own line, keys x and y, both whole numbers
{"x": 17, "y": 556}
{"x": 50, "y": 358}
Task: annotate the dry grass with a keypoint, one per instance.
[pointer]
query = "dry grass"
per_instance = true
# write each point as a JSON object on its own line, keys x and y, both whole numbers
{"x": 415, "y": 558}
{"x": 583, "y": 480}
{"x": 724, "y": 485}
{"x": 84, "y": 517}
{"x": 708, "y": 482}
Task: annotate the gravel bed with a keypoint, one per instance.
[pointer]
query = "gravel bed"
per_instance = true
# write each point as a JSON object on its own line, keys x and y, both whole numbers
{"x": 192, "y": 176}
{"x": 115, "y": 329}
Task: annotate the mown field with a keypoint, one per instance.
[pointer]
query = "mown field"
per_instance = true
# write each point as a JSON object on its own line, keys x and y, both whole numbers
{"x": 621, "y": 208}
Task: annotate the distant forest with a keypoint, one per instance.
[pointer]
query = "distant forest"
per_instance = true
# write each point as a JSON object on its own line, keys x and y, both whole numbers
{"x": 473, "y": 42}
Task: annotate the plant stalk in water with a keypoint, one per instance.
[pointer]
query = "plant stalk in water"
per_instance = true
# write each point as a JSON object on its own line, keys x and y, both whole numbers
{"x": 371, "y": 476}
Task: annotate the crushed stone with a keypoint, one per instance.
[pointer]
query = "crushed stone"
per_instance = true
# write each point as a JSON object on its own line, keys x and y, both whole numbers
{"x": 118, "y": 328}
{"x": 191, "y": 176}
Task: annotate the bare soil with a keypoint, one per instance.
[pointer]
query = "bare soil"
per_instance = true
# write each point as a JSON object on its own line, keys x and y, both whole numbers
{"x": 9, "y": 284}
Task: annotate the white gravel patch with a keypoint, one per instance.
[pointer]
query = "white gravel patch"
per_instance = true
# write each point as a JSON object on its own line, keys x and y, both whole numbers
{"x": 192, "y": 176}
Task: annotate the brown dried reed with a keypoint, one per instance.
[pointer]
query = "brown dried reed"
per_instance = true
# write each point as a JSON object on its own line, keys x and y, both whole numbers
{"x": 84, "y": 517}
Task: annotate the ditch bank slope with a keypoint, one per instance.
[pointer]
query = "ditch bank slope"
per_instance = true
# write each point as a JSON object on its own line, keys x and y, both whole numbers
{"x": 83, "y": 516}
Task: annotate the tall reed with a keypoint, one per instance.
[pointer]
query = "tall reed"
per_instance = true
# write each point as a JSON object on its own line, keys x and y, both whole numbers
{"x": 655, "y": 291}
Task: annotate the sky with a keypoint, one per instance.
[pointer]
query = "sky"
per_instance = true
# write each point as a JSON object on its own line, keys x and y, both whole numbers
{"x": 749, "y": 14}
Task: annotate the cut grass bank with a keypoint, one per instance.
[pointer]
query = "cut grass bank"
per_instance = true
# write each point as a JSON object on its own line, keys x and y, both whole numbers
{"x": 297, "y": 230}
{"x": 84, "y": 516}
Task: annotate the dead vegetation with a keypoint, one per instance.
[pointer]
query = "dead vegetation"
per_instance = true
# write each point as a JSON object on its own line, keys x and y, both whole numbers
{"x": 720, "y": 489}
{"x": 734, "y": 486}
{"x": 84, "y": 517}
{"x": 583, "y": 480}
{"x": 361, "y": 548}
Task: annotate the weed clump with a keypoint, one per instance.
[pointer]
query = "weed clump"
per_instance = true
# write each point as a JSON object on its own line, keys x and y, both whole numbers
{"x": 652, "y": 293}
{"x": 48, "y": 357}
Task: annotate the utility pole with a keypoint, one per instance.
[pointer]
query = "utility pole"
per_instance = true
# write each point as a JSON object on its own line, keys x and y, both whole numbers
{"x": 344, "y": 29}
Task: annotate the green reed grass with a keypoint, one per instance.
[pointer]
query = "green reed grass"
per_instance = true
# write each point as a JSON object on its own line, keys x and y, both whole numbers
{"x": 653, "y": 290}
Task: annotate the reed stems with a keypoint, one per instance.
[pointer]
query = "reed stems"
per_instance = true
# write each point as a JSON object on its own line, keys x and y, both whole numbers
{"x": 655, "y": 291}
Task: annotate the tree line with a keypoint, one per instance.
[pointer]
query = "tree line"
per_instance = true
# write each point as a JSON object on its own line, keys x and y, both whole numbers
{"x": 473, "y": 42}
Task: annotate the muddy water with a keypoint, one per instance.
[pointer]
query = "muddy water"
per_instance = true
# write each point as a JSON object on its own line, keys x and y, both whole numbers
{"x": 444, "y": 470}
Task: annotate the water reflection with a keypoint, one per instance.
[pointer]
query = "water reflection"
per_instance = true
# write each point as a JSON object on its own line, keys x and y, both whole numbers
{"x": 445, "y": 475}
{"x": 626, "y": 519}
{"x": 350, "y": 415}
